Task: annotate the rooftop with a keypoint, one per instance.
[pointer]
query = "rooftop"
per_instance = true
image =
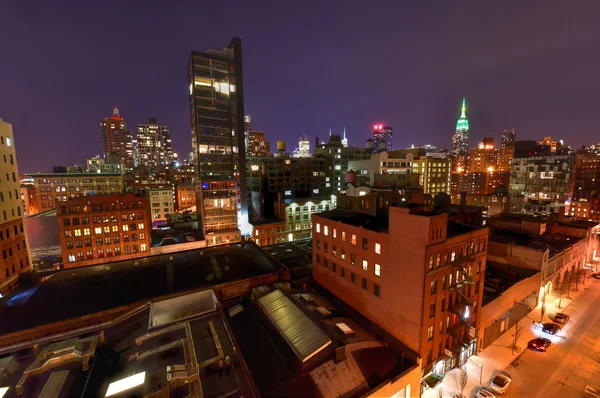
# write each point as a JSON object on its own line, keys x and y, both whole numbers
{"x": 195, "y": 356}
{"x": 84, "y": 174}
{"x": 554, "y": 242}
{"x": 296, "y": 256}
{"x": 501, "y": 277}
{"x": 74, "y": 292}
{"x": 373, "y": 223}
{"x": 346, "y": 361}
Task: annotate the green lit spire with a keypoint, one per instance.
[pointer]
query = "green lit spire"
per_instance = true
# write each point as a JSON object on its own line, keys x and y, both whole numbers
{"x": 462, "y": 123}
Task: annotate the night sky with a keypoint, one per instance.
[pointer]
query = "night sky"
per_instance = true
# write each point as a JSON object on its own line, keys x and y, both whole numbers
{"x": 308, "y": 65}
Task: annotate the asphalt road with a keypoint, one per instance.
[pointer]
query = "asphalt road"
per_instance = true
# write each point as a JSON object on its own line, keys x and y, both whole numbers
{"x": 573, "y": 360}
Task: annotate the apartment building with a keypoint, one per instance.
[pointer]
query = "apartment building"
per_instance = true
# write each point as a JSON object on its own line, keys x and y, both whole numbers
{"x": 161, "y": 205}
{"x": 13, "y": 237}
{"x": 185, "y": 195}
{"x": 101, "y": 228}
{"x": 415, "y": 274}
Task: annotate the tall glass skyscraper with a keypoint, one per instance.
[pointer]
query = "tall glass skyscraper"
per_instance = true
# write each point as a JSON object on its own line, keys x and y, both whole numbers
{"x": 217, "y": 118}
{"x": 460, "y": 140}
{"x": 381, "y": 134}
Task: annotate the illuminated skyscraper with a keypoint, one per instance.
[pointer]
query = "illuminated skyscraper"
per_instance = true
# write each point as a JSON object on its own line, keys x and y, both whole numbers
{"x": 508, "y": 138}
{"x": 117, "y": 141}
{"x": 303, "y": 148}
{"x": 345, "y": 140}
{"x": 153, "y": 144}
{"x": 217, "y": 119}
{"x": 381, "y": 134}
{"x": 460, "y": 140}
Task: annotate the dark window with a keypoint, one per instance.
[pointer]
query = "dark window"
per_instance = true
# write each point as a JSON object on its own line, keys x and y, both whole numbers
{"x": 376, "y": 290}
{"x": 353, "y": 259}
{"x": 325, "y": 262}
{"x": 443, "y": 304}
{"x": 66, "y": 222}
{"x": 333, "y": 266}
{"x": 364, "y": 283}
{"x": 325, "y": 247}
{"x": 431, "y": 310}
{"x": 365, "y": 243}
{"x": 353, "y": 277}
{"x": 318, "y": 259}
{"x": 343, "y": 272}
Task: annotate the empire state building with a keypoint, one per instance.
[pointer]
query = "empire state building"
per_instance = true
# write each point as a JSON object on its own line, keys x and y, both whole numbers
{"x": 460, "y": 140}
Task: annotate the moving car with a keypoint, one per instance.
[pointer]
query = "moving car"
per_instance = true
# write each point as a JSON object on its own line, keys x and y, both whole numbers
{"x": 500, "y": 383}
{"x": 539, "y": 344}
{"x": 484, "y": 393}
{"x": 551, "y": 328}
{"x": 561, "y": 318}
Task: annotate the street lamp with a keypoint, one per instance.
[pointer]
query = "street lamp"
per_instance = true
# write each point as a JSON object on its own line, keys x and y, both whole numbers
{"x": 480, "y": 373}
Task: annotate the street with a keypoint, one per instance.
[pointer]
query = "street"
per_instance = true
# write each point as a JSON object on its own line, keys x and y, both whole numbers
{"x": 573, "y": 360}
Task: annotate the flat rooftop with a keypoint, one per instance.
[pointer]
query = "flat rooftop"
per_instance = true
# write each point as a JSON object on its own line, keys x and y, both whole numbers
{"x": 75, "y": 292}
{"x": 373, "y": 223}
{"x": 191, "y": 357}
{"x": 501, "y": 277}
{"x": 554, "y": 242}
{"x": 366, "y": 364}
{"x": 296, "y": 256}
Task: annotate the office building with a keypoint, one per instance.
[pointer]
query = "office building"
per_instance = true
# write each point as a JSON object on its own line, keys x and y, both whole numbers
{"x": 44, "y": 189}
{"x": 13, "y": 237}
{"x": 434, "y": 174}
{"x": 584, "y": 182}
{"x": 460, "y": 140}
{"x": 256, "y": 144}
{"x": 539, "y": 184}
{"x": 217, "y": 119}
{"x": 303, "y": 150}
{"x": 161, "y": 205}
{"x": 153, "y": 145}
{"x": 416, "y": 274}
{"x": 381, "y": 163}
{"x": 339, "y": 157}
{"x": 100, "y": 228}
{"x": 117, "y": 141}
{"x": 384, "y": 134}
{"x": 185, "y": 197}
{"x": 100, "y": 165}
{"x": 508, "y": 138}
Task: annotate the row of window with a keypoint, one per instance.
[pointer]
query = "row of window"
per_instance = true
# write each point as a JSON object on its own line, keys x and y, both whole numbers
{"x": 112, "y": 218}
{"x": 364, "y": 281}
{"x": 457, "y": 253}
{"x": 107, "y": 229}
{"x": 18, "y": 213}
{"x": 9, "y": 253}
{"x": 365, "y": 263}
{"x": 99, "y": 207}
{"x": 459, "y": 278}
{"x": 108, "y": 252}
{"x": 107, "y": 240}
{"x": 8, "y": 274}
{"x": 6, "y": 233}
{"x": 10, "y": 195}
{"x": 365, "y": 241}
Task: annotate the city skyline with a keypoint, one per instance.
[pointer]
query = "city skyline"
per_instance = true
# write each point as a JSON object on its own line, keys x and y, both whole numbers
{"x": 420, "y": 101}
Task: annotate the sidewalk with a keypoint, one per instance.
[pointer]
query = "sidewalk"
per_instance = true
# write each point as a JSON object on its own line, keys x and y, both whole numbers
{"x": 499, "y": 355}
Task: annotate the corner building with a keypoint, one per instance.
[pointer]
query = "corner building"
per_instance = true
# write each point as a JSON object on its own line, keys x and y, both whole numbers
{"x": 218, "y": 144}
{"x": 418, "y": 276}
{"x": 13, "y": 238}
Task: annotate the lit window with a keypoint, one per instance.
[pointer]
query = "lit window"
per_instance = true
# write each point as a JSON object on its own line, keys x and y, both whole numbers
{"x": 377, "y": 248}
{"x": 326, "y": 230}
{"x": 8, "y": 141}
{"x": 77, "y": 232}
{"x": 377, "y": 270}
{"x": 315, "y": 191}
{"x": 98, "y": 230}
{"x": 354, "y": 239}
{"x": 141, "y": 225}
{"x": 453, "y": 255}
{"x": 343, "y": 236}
{"x": 71, "y": 258}
{"x": 125, "y": 384}
{"x": 288, "y": 193}
{"x": 365, "y": 265}
{"x": 86, "y": 231}
{"x": 115, "y": 228}
{"x": 335, "y": 233}
{"x": 143, "y": 247}
{"x": 318, "y": 228}
{"x": 107, "y": 229}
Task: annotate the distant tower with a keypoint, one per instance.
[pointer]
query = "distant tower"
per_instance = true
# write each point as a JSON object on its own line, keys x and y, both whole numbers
{"x": 460, "y": 140}
{"x": 382, "y": 133}
{"x": 117, "y": 141}
{"x": 303, "y": 148}
{"x": 345, "y": 140}
{"x": 508, "y": 138}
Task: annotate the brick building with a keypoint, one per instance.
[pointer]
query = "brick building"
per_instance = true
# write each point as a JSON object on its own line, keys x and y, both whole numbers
{"x": 97, "y": 229}
{"x": 42, "y": 189}
{"x": 416, "y": 274}
{"x": 13, "y": 238}
{"x": 185, "y": 196}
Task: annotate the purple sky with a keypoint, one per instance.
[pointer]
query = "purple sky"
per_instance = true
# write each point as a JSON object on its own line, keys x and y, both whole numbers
{"x": 530, "y": 65}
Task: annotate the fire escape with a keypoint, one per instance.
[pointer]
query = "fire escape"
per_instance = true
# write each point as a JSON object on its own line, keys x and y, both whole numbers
{"x": 462, "y": 306}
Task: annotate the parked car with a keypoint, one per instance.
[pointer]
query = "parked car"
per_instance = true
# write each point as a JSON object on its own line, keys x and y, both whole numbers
{"x": 551, "y": 328}
{"x": 484, "y": 393}
{"x": 539, "y": 344}
{"x": 500, "y": 383}
{"x": 561, "y": 318}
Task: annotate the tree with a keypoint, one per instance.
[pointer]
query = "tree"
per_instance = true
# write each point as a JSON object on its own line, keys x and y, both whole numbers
{"x": 543, "y": 309}
{"x": 516, "y": 335}
{"x": 463, "y": 379}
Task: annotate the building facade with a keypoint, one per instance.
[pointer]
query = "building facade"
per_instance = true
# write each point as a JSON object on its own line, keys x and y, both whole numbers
{"x": 539, "y": 184}
{"x": 381, "y": 134}
{"x": 417, "y": 276}
{"x": 217, "y": 119}
{"x": 256, "y": 144}
{"x": 381, "y": 163}
{"x": 460, "y": 140}
{"x": 434, "y": 174}
{"x": 185, "y": 195}
{"x": 97, "y": 229}
{"x": 13, "y": 237}
{"x": 161, "y": 205}
{"x": 117, "y": 141}
{"x": 153, "y": 144}
{"x": 508, "y": 138}
{"x": 45, "y": 189}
